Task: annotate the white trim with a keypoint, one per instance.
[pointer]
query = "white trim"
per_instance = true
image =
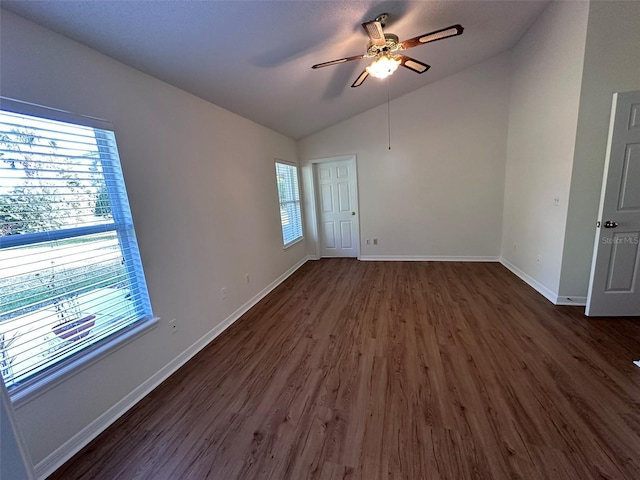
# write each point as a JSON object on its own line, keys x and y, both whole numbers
{"x": 426, "y": 258}
{"x": 286, "y": 162}
{"x": 27, "y": 108}
{"x": 83, "y": 360}
{"x": 575, "y": 301}
{"x": 297, "y": 240}
{"x": 540, "y": 288}
{"x": 72, "y": 446}
{"x": 11, "y": 435}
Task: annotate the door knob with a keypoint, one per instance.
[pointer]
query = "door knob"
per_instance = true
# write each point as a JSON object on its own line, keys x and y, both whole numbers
{"x": 610, "y": 224}
{"x": 353, "y": 213}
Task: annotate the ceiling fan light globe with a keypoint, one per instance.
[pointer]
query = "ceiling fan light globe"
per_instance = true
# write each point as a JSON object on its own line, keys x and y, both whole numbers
{"x": 383, "y": 66}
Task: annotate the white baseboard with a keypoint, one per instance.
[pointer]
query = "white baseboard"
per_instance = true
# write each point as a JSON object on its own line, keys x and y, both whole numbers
{"x": 72, "y": 446}
{"x": 574, "y": 301}
{"x": 428, "y": 258}
{"x": 540, "y": 288}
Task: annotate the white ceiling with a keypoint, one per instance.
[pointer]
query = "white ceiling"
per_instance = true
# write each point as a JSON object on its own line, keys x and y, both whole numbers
{"x": 254, "y": 57}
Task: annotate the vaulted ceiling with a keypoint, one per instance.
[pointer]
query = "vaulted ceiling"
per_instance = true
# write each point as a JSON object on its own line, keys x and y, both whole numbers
{"x": 254, "y": 57}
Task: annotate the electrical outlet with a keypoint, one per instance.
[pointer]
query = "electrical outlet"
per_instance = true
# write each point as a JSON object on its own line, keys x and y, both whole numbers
{"x": 223, "y": 293}
{"x": 556, "y": 201}
{"x": 539, "y": 259}
{"x": 172, "y": 326}
{"x": 375, "y": 241}
{"x": 368, "y": 241}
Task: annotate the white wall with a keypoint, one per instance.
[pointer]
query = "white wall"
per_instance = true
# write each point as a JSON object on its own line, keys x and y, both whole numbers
{"x": 439, "y": 191}
{"x": 545, "y": 91}
{"x": 202, "y": 190}
{"x": 612, "y": 64}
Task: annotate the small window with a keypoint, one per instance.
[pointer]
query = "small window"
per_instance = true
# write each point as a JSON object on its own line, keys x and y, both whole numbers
{"x": 289, "y": 195}
{"x": 71, "y": 278}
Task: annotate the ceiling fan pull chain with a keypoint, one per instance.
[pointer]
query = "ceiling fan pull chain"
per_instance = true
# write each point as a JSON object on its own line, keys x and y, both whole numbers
{"x": 389, "y": 112}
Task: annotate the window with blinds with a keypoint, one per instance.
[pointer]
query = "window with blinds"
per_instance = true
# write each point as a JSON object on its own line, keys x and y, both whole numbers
{"x": 289, "y": 194}
{"x": 71, "y": 279}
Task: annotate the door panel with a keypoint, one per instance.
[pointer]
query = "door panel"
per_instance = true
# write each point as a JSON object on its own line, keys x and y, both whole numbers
{"x": 621, "y": 276}
{"x": 329, "y": 235}
{"x": 613, "y": 287}
{"x": 344, "y": 197}
{"x": 629, "y": 196}
{"x": 326, "y": 198}
{"x": 325, "y": 173}
{"x": 345, "y": 234}
{"x": 634, "y": 118}
{"x": 336, "y": 187}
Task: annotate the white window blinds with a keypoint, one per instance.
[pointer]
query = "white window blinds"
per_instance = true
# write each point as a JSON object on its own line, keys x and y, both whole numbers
{"x": 70, "y": 271}
{"x": 289, "y": 194}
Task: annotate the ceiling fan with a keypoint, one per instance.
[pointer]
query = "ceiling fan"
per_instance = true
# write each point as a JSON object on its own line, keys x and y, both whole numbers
{"x": 384, "y": 47}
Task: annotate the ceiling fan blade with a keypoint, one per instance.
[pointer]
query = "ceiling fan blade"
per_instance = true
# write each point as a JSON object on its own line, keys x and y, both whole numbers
{"x": 360, "y": 80}
{"x": 413, "y": 64}
{"x": 451, "y": 31}
{"x": 374, "y": 30}
{"x": 337, "y": 62}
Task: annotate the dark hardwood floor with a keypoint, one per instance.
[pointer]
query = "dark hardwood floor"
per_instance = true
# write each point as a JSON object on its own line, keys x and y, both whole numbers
{"x": 372, "y": 370}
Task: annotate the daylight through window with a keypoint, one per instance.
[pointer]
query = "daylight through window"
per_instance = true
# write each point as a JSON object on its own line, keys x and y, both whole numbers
{"x": 70, "y": 272}
{"x": 289, "y": 194}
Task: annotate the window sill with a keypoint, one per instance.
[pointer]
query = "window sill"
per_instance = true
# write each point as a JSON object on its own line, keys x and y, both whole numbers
{"x": 291, "y": 244}
{"x": 33, "y": 389}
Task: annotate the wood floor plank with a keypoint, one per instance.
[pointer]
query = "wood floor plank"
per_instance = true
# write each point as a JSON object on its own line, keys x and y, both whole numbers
{"x": 391, "y": 370}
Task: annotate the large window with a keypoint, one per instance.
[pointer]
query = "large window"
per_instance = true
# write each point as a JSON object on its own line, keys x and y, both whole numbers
{"x": 71, "y": 280}
{"x": 289, "y": 194}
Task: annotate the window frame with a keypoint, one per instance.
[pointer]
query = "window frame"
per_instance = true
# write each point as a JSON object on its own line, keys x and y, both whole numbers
{"x": 122, "y": 226}
{"x": 298, "y": 201}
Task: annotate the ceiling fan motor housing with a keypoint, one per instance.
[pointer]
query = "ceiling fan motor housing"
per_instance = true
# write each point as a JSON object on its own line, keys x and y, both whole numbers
{"x": 392, "y": 44}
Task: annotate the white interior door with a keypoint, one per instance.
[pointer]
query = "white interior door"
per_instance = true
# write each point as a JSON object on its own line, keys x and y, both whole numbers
{"x": 338, "y": 232}
{"x": 614, "y": 288}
